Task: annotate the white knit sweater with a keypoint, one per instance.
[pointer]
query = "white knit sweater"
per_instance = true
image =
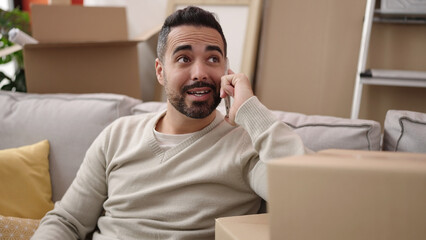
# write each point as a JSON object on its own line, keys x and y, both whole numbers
{"x": 130, "y": 188}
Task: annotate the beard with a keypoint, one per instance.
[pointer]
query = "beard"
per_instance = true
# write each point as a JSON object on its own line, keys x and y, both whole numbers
{"x": 196, "y": 109}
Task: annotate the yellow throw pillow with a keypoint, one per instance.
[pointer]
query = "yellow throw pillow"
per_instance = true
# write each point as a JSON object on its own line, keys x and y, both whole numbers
{"x": 12, "y": 228}
{"x": 25, "y": 187}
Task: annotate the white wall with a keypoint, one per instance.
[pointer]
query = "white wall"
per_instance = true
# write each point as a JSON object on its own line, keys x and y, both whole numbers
{"x": 4, "y": 4}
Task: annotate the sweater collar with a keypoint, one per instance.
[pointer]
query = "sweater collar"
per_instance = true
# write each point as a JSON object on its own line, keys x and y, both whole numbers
{"x": 173, "y": 151}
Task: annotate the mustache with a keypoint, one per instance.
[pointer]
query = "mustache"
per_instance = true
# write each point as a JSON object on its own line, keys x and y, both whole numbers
{"x": 198, "y": 85}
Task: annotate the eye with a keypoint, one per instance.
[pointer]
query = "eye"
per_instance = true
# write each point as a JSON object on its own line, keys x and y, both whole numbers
{"x": 213, "y": 59}
{"x": 183, "y": 59}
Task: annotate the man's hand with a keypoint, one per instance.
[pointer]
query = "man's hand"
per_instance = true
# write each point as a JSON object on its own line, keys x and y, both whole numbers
{"x": 237, "y": 86}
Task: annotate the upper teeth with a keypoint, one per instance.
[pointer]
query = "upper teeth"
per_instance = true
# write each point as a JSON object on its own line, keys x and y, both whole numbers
{"x": 199, "y": 92}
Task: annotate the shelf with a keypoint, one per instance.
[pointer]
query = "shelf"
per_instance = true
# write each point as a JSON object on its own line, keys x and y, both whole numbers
{"x": 400, "y": 78}
{"x": 399, "y": 13}
{"x": 404, "y": 18}
{"x": 395, "y": 74}
{"x": 393, "y": 82}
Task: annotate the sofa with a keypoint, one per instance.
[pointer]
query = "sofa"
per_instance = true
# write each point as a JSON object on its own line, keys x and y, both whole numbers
{"x": 43, "y": 139}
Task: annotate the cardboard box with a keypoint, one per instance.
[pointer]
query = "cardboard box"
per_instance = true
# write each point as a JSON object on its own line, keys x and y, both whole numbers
{"x": 343, "y": 194}
{"x": 72, "y": 24}
{"x": 81, "y": 50}
{"x": 249, "y": 227}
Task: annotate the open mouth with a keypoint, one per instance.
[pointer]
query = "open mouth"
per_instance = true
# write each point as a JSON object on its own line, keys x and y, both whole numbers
{"x": 198, "y": 93}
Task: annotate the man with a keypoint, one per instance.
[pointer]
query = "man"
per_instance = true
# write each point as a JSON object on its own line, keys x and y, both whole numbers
{"x": 168, "y": 175}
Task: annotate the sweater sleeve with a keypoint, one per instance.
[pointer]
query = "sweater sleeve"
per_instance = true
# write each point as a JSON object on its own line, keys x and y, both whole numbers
{"x": 270, "y": 138}
{"x": 76, "y": 214}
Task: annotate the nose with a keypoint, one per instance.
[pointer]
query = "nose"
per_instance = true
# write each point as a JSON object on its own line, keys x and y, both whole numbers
{"x": 199, "y": 71}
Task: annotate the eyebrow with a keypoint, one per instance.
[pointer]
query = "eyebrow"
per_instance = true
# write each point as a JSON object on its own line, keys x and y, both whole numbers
{"x": 214, "y": 48}
{"x": 189, "y": 47}
{"x": 181, "y": 48}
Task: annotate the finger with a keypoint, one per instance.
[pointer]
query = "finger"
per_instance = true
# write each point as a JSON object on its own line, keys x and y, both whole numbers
{"x": 226, "y": 87}
{"x": 228, "y": 120}
{"x": 226, "y": 91}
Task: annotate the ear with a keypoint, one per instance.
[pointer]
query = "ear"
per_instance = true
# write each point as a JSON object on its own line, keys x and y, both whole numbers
{"x": 159, "y": 71}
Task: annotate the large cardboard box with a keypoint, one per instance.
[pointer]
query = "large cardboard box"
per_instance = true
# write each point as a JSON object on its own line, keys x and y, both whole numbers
{"x": 81, "y": 50}
{"x": 249, "y": 227}
{"x": 343, "y": 194}
{"x": 72, "y": 24}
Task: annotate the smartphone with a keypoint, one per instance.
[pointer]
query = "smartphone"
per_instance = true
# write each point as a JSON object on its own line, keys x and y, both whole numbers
{"x": 227, "y": 105}
{"x": 227, "y": 98}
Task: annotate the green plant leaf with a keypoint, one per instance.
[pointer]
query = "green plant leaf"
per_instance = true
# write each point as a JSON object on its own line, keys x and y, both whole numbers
{"x": 20, "y": 81}
{"x": 8, "y": 87}
{"x": 8, "y": 20}
{"x": 4, "y": 76}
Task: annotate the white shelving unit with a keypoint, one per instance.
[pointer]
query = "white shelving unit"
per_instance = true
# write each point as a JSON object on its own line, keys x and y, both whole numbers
{"x": 384, "y": 77}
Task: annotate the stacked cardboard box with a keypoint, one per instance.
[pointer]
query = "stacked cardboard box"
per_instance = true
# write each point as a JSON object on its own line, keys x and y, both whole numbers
{"x": 343, "y": 194}
{"x": 81, "y": 50}
{"x": 250, "y": 227}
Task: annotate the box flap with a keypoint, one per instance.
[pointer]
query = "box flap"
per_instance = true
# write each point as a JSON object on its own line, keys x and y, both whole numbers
{"x": 10, "y": 50}
{"x": 249, "y": 227}
{"x": 372, "y": 154}
{"x": 61, "y": 23}
{"x": 356, "y": 159}
{"x": 80, "y": 44}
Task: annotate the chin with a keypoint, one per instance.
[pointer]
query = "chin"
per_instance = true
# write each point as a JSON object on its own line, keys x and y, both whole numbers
{"x": 199, "y": 110}
{"x": 195, "y": 109}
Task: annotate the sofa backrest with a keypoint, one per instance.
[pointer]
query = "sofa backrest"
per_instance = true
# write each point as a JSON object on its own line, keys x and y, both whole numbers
{"x": 72, "y": 121}
{"x": 405, "y": 131}
{"x": 69, "y": 121}
{"x": 317, "y": 132}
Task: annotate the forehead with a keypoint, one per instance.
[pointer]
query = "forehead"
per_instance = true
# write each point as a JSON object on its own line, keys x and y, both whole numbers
{"x": 193, "y": 35}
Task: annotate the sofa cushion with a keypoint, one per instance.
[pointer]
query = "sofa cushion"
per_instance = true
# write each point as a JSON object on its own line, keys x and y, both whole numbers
{"x": 69, "y": 121}
{"x": 25, "y": 181}
{"x": 12, "y": 228}
{"x": 325, "y": 132}
{"x": 317, "y": 132}
{"x": 405, "y": 131}
{"x": 147, "y": 107}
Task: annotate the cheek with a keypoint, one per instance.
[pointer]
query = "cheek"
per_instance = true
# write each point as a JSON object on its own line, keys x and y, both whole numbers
{"x": 217, "y": 79}
{"x": 176, "y": 79}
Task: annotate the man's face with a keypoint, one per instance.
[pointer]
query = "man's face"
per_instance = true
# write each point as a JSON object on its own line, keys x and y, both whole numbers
{"x": 191, "y": 70}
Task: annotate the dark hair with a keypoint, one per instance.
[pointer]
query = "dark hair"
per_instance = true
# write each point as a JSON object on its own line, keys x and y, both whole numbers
{"x": 191, "y": 15}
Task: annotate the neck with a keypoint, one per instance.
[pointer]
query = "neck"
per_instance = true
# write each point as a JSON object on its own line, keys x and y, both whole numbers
{"x": 174, "y": 122}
